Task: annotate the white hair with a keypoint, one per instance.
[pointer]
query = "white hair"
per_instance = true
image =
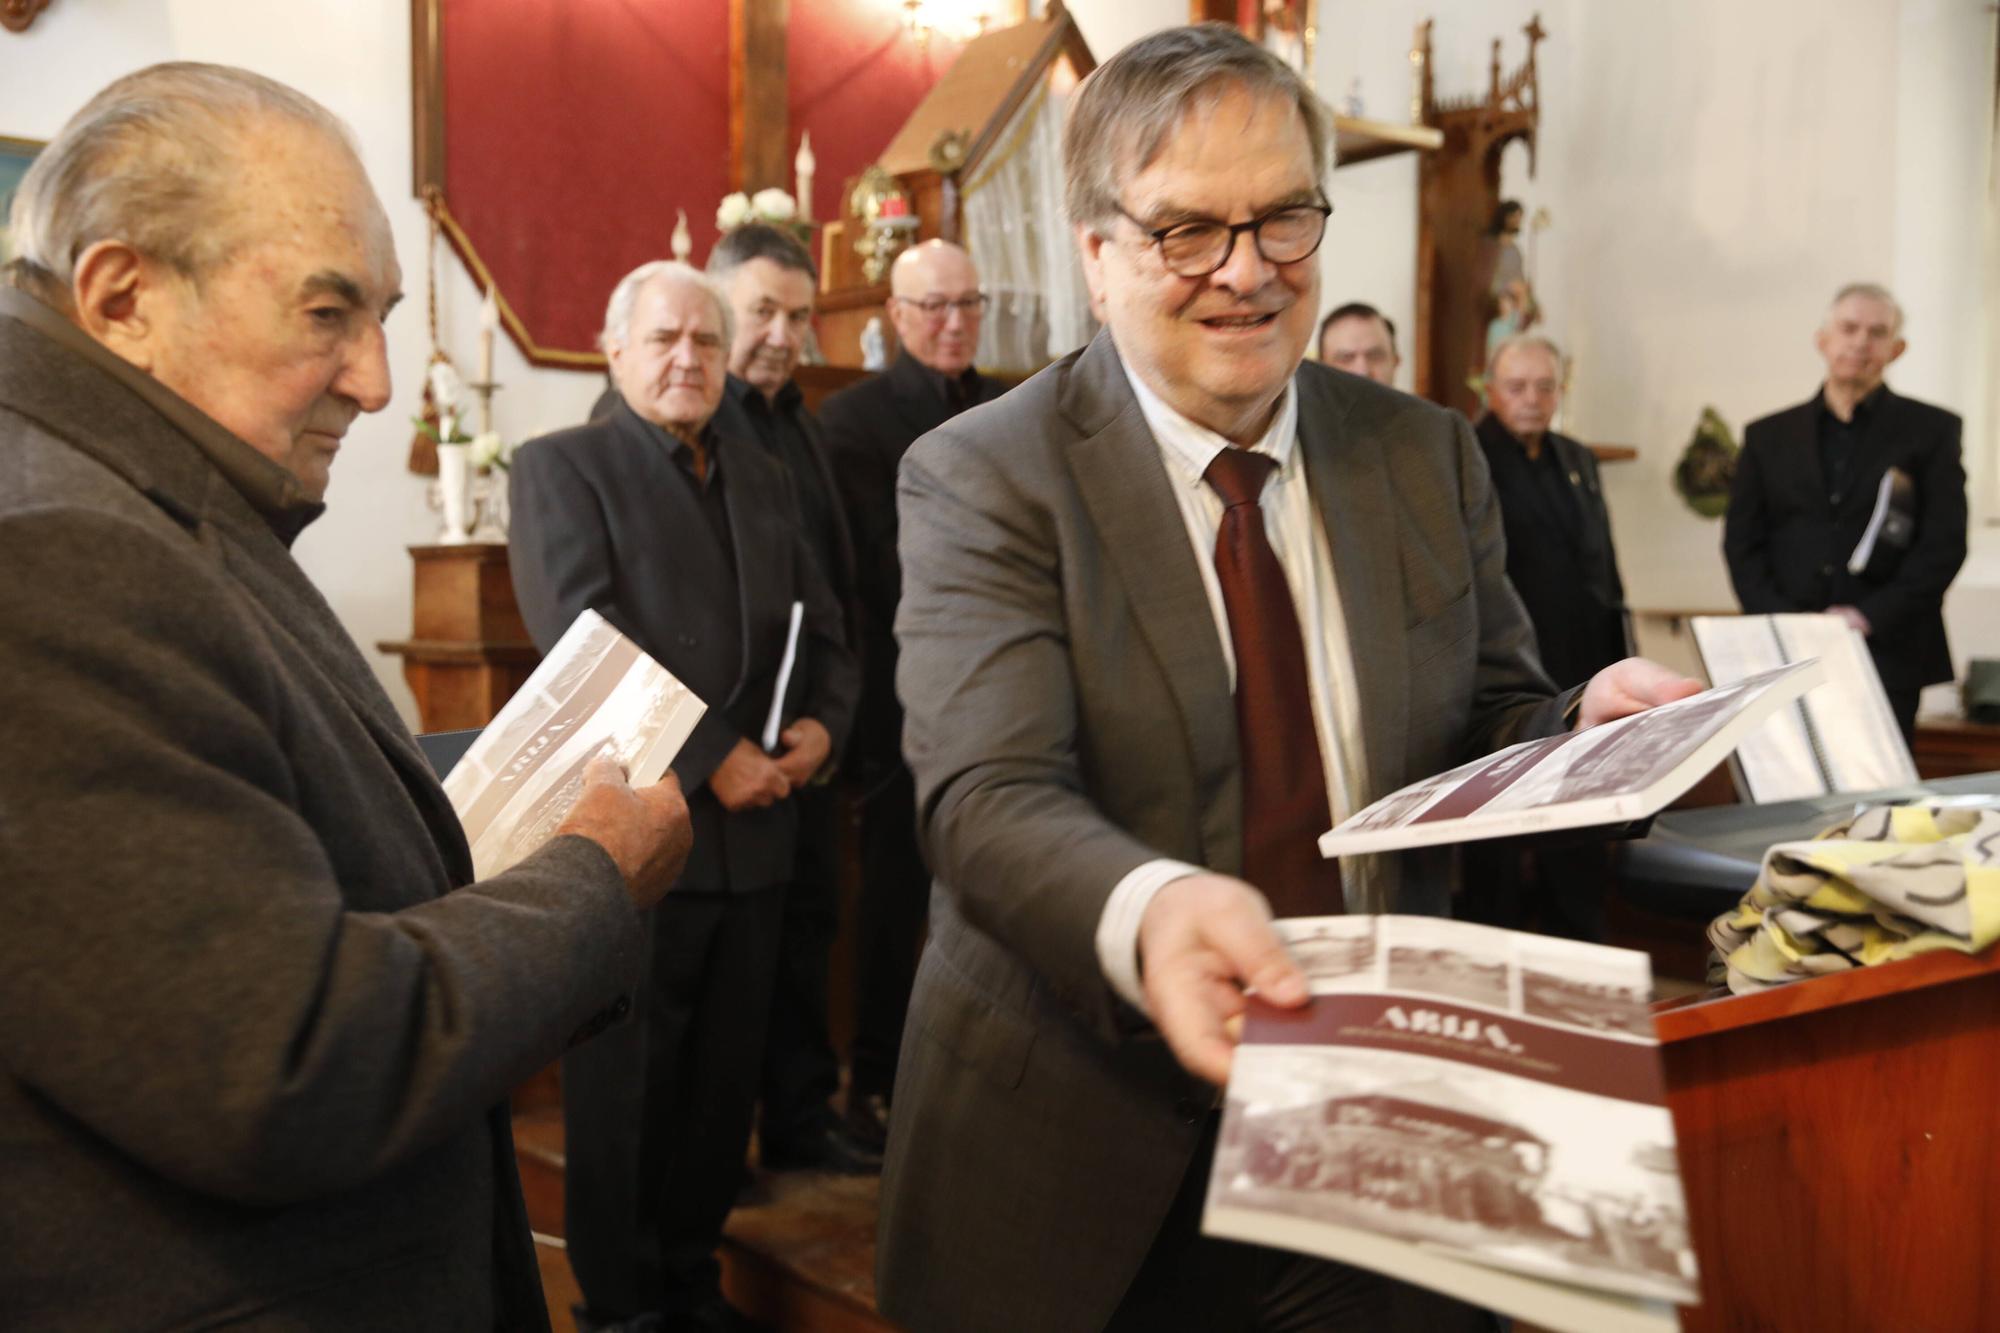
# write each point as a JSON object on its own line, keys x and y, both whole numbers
{"x": 618, "y": 310}
{"x": 1874, "y": 291}
{"x": 149, "y": 161}
{"x": 1524, "y": 342}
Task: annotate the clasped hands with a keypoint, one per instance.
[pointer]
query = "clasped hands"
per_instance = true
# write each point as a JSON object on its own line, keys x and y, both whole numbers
{"x": 1206, "y": 940}
{"x": 749, "y": 779}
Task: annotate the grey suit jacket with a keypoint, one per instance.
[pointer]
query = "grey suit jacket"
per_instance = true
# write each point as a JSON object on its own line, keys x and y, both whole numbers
{"x": 254, "y": 1049}
{"x": 1069, "y": 718}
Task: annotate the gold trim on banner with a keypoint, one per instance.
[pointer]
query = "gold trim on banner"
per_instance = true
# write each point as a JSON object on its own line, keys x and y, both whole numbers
{"x": 999, "y": 160}
{"x": 483, "y": 278}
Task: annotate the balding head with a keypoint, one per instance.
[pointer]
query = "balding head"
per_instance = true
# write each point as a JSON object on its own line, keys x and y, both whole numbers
{"x": 936, "y": 305}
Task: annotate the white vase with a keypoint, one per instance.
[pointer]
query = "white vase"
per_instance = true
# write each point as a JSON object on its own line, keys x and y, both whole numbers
{"x": 455, "y": 493}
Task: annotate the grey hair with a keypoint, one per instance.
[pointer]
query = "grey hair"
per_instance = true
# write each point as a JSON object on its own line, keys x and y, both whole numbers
{"x": 1874, "y": 291}
{"x": 618, "y": 310}
{"x": 759, "y": 240}
{"x": 1525, "y": 342}
{"x": 1131, "y": 105}
{"x": 149, "y": 161}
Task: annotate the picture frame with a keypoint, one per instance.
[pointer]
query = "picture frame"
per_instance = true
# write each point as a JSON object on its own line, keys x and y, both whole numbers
{"x": 15, "y": 155}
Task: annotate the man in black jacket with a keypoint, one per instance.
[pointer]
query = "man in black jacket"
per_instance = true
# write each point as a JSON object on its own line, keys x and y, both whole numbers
{"x": 690, "y": 542}
{"x": 769, "y": 280}
{"x": 1559, "y": 553}
{"x": 1808, "y": 485}
{"x": 1561, "y": 562}
{"x": 936, "y": 307}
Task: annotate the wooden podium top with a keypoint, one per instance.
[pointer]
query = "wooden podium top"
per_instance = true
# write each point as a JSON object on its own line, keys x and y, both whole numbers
{"x": 1701, "y": 1016}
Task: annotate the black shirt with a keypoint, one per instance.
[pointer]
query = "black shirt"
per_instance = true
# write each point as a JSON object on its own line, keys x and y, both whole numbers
{"x": 780, "y": 427}
{"x": 709, "y": 499}
{"x": 1841, "y": 442}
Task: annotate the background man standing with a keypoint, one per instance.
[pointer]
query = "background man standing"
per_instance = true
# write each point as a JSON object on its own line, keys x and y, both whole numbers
{"x": 769, "y": 281}
{"x": 1168, "y": 609}
{"x": 936, "y": 307}
{"x": 1360, "y": 340}
{"x": 1561, "y": 563}
{"x": 1559, "y": 552}
{"x": 690, "y": 542}
{"x": 1806, "y": 486}
{"x": 257, "y": 1026}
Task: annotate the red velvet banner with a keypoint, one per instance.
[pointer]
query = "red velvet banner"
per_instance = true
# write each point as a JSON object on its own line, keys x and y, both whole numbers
{"x": 573, "y": 131}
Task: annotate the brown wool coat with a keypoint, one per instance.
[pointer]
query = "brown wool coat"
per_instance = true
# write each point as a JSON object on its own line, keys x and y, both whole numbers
{"x": 254, "y": 1049}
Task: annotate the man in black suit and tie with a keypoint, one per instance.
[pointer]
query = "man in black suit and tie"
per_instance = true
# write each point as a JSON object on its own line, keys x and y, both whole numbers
{"x": 936, "y": 307}
{"x": 690, "y": 542}
{"x": 1807, "y": 487}
{"x": 769, "y": 281}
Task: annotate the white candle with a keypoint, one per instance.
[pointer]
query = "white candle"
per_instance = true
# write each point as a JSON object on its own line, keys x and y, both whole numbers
{"x": 683, "y": 239}
{"x": 489, "y": 320}
{"x": 804, "y": 164}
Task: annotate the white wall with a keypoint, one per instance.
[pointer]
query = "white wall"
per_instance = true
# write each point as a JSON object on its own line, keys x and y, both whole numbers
{"x": 1714, "y": 171}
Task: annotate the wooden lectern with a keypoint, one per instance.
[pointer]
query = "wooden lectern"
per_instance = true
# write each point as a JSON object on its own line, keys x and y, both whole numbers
{"x": 468, "y": 650}
{"x": 1840, "y": 1148}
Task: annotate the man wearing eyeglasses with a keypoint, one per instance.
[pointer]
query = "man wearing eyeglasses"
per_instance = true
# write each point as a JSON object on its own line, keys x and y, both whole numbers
{"x": 1169, "y": 609}
{"x": 936, "y": 308}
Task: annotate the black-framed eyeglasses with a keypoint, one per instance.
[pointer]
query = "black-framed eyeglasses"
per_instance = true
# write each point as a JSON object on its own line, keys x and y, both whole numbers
{"x": 938, "y": 308}
{"x": 1196, "y": 249}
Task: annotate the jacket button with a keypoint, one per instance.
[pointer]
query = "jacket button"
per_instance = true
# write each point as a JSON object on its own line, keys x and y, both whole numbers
{"x": 685, "y": 640}
{"x": 622, "y": 1007}
{"x": 1826, "y": 570}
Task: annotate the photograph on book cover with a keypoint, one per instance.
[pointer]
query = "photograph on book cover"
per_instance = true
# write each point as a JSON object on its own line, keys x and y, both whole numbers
{"x": 1512, "y": 1172}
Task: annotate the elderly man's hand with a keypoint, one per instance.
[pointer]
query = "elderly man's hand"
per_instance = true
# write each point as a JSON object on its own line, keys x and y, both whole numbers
{"x": 807, "y": 745}
{"x": 1203, "y": 941}
{"x": 1853, "y": 619}
{"x": 748, "y": 779}
{"x": 645, "y": 830}
{"x": 1631, "y": 686}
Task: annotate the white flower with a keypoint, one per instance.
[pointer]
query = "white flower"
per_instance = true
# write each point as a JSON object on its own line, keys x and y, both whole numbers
{"x": 733, "y": 211}
{"x": 489, "y": 451}
{"x": 774, "y": 205}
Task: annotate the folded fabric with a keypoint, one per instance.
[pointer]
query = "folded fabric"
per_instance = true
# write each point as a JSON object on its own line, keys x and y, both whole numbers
{"x": 1893, "y": 881}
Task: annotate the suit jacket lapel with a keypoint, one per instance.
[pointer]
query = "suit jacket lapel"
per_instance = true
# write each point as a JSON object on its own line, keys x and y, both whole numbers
{"x": 1117, "y": 467}
{"x": 1349, "y": 480}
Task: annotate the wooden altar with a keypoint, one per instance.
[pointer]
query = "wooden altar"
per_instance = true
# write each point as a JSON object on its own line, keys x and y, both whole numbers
{"x": 468, "y": 650}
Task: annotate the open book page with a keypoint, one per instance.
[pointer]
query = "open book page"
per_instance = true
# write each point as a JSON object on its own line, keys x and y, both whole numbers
{"x": 1842, "y": 737}
{"x": 595, "y": 692}
{"x": 1472, "y": 1109}
{"x": 1610, "y": 774}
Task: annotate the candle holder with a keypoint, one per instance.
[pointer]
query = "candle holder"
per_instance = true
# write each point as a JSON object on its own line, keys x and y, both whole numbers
{"x": 888, "y": 222}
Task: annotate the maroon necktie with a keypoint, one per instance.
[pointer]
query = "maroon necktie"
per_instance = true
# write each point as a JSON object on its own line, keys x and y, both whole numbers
{"x": 1284, "y": 780}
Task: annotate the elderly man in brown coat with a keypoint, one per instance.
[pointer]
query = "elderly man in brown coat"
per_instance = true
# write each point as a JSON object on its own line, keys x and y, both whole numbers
{"x": 257, "y": 1025}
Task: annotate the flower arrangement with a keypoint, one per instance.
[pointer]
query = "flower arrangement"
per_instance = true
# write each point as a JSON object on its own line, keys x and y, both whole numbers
{"x": 772, "y": 206}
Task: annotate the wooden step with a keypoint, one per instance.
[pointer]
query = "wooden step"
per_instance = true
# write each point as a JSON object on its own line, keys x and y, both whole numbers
{"x": 797, "y": 1253}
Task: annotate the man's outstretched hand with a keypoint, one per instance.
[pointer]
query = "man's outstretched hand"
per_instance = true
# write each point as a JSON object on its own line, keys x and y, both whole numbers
{"x": 1203, "y": 941}
{"x": 1631, "y": 686}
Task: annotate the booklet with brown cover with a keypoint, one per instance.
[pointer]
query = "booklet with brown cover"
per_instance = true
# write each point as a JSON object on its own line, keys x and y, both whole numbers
{"x": 1475, "y": 1110}
{"x": 1610, "y": 774}
{"x": 595, "y": 692}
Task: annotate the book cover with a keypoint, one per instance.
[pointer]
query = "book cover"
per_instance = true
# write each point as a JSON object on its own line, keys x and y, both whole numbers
{"x": 1475, "y": 1110}
{"x": 1616, "y": 773}
{"x": 595, "y": 692}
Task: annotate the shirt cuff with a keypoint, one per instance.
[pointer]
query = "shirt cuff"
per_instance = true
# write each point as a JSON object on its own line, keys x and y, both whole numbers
{"x": 1118, "y": 927}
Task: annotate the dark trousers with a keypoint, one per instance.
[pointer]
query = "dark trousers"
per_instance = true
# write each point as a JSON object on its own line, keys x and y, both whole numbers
{"x": 1551, "y": 889}
{"x": 1903, "y": 704}
{"x": 1199, "y": 1284}
{"x": 801, "y": 1073}
{"x": 895, "y": 901}
{"x": 657, "y": 1114}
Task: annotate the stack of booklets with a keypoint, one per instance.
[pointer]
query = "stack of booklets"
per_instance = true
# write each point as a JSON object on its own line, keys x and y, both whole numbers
{"x": 595, "y": 693}
{"x": 1474, "y": 1110}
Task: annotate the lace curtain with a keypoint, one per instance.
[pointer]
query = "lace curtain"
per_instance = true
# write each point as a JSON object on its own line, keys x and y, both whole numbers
{"x": 1027, "y": 260}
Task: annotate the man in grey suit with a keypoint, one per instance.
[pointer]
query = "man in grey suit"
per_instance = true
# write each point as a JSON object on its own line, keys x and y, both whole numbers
{"x": 257, "y": 1025}
{"x": 1131, "y": 678}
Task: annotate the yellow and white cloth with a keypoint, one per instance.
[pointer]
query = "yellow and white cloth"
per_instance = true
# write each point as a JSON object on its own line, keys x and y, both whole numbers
{"x": 1893, "y": 881}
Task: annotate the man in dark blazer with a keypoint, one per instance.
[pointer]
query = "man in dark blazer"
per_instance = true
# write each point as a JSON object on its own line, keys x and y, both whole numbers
{"x": 690, "y": 542}
{"x": 1807, "y": 485}
{"x": 1101, "y": 665}
{"x": 769, "y": 281}
{"x": 936, "y": 307}
{"x": 1561, "y": 563}
{"x": 257, "y": 1025}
